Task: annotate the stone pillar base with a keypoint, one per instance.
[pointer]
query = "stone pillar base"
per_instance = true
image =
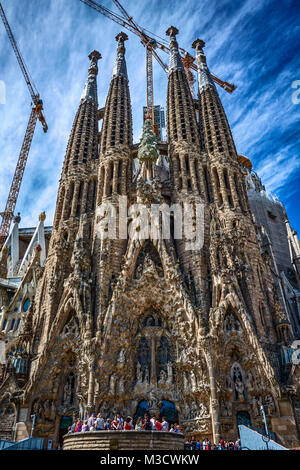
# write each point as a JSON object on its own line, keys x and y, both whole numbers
{"x": 124, "y": 440}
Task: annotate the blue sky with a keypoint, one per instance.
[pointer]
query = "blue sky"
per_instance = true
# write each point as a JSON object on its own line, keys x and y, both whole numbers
{"x": 254, "y": 44}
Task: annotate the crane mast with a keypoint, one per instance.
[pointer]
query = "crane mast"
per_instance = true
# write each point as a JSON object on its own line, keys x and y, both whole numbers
{"x": 36, "y": 113}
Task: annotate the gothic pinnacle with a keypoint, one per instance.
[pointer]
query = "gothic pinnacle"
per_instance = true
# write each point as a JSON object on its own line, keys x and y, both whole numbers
{"x": 172, "y": 31}
{"x": 198, "y": 44}
{"x": 90, "y": 88}
{"x": 120, "y": 68}
{"x": 94, "y": 56}
{"x": 121, "y": 38}
{"x": 204, "y": 77}
{"x": 175, "y": 62}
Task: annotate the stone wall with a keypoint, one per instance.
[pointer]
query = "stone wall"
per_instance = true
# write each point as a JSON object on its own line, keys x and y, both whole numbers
{"x": 123, "y": 440}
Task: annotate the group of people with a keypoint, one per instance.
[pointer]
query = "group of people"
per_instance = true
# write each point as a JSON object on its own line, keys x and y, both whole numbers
{"x": 147, "y": 423}
{"x": 99, "y": 423}
{"x": 206, "y": 445}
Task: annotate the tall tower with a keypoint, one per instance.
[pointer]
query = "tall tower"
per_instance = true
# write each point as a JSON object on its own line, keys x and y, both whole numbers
{"x": 65, "y": 285}
{"x": 188, "y": 170}
{"x": 115, "y": 173}
{"x": 243, "y": 292}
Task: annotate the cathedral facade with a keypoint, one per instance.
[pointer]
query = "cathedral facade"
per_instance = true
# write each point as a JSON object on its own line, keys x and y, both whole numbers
{"x": 131, "y": 323}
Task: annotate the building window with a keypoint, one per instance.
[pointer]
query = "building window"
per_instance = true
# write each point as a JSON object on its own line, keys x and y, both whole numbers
{"x": 26, "y": 305}
{"x": 18, "y": 323}
{"x": 4, "y": 324}
{"x": 12, "y": 324}
{"x": 286, "y": 355}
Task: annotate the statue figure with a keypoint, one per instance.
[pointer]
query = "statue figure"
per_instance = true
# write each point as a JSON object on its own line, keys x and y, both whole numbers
{"x": 121, "y": 386}
{"x": 139, "y": 271}
{"x": 170, "y": 372}
{"x": 112, "y": 384}
{"x": 255, "y": 406}
{"x": 226, "y": 409}
{"x": 67, "y": 393}
{"x": 121, "y": 357}
{"x": 238, "y": 383}
{"x": 193, "y": 382}
{"x": 239, "y": 387}
{"x": 203, "y": 410}
{"x": 270, "y": 405}
{"x": 153, "y": 401}
{"x": 162, "y": 377}
{"x": 185, "y": 381}
{"x": 139, "y": 373}
{"x": 146, "y": 377}
{"x": 228, "y": 384}
{"x": 194, "y": 410}
{"x": 147, "y": 152}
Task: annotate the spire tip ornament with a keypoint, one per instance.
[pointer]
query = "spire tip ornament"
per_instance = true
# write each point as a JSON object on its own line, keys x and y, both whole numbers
{"x": 90, "y": 88}
{"x": 121, "y": 37}
{"x": 198, "y": 44}
{"x": 120, "y": 68}
{"x": 172, "y": 31}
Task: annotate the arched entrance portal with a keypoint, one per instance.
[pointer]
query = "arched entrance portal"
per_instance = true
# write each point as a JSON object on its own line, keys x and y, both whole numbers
{"x": 169, "y": 411}
{"x": 142, "y": 409}
{"x": 65, "y": 422}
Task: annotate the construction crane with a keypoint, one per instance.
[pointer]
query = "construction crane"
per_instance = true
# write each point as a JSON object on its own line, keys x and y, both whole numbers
{"x": 151, "y": 44}
{"x": 36, "y": 114}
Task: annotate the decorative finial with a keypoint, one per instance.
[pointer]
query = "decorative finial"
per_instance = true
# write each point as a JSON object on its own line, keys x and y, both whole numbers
{"x": 121, "y": 37}
{"x": 42, "y": 216}
{"x": 175, "y": 62}
{"x": 198, "y": 44}
{"x": 172, "y": 31}
{"x": 94, "y": 56}
{"x": 120, "y": 64}
{"x": 90, "y": 87}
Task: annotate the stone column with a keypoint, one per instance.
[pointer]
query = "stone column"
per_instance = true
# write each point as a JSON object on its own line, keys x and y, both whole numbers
{"x": 115, "y": 177}
{"x": 75, "y": 199}
{"x": 153, "y": 378}
{"x": 214, "y": 402}
{"x": 91, "y": 388}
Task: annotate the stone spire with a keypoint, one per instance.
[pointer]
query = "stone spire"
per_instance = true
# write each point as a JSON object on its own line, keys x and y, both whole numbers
{"x": 120, "y": 69}
{"x": 215, "y": 130}
{"x": 90, "y": 88}
{"x": 181, "y": 117}
{"x": 117, "y": 120}
{"x": 77, "y": 186}
{"x": 175, "y": 62}
{"x": 204, "y": 76}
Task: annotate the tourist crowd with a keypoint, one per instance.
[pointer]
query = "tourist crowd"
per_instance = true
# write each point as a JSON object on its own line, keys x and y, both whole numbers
{"x": 99, "y": 423}
{"x": 206, "y": 445}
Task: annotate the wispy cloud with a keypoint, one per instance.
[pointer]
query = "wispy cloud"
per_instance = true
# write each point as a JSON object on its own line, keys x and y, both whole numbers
{"x": 253, "y": 44}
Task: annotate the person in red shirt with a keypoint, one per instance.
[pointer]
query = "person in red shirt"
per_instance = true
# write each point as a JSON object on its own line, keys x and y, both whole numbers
{"x": 128, "y": 424}
{"x": 115, "y": 424}
{"x": 158, "y": 425}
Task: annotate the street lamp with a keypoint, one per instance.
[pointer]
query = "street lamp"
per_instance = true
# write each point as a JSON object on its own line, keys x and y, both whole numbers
{"x": 33, "y": 417}
{"x": 265, "y": 438}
